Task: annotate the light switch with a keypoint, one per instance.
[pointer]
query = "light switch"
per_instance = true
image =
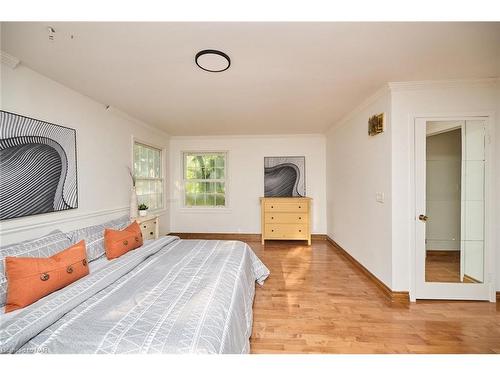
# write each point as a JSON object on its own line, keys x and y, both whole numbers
{"x": 379, "y": 197}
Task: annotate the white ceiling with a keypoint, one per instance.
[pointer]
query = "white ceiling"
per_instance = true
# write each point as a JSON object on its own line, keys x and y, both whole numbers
{"x": 284, "y": 77}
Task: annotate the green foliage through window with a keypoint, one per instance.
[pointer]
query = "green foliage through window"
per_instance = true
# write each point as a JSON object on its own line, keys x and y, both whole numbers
{"x": 205, "y": 179}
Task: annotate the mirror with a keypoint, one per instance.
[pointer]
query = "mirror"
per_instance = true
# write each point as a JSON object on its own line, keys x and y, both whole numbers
{"x": 455, "y": 160}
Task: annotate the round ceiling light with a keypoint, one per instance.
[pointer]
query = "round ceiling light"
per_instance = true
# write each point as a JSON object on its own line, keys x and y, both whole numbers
{"x": 212, "y": 60}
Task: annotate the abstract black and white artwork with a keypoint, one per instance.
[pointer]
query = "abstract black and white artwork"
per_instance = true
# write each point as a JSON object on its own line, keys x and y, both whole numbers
{"x": 285, "y": 176}
{"x": 37, "y": 167}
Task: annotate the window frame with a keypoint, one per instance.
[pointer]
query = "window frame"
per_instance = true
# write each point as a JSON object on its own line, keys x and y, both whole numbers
{"x": 225, "y": 180}
{"x": 163, "y": 165}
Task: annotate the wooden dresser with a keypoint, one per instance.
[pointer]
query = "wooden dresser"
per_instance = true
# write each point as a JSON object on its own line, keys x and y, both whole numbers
{"x": 286, "y": 219}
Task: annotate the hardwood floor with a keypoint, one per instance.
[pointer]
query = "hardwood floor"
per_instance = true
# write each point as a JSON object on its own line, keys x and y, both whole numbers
{"x": 316, "y": 301}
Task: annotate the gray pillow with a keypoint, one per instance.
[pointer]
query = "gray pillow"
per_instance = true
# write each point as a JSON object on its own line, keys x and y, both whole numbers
{"x": 94, "y": 236}
{"x": 45, "y": 246}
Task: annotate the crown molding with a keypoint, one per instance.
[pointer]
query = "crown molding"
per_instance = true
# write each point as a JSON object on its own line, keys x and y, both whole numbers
{"x": 443, "y": 84}
{"x": 9, "y": 60}
{"x": 134, "y": 120}
{"x": 246, "y": 136}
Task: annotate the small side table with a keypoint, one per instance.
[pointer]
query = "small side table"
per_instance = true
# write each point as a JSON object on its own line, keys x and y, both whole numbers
{"x": 149, "y": 226}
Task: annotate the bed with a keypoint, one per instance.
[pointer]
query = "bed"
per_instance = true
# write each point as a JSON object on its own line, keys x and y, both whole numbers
{"x": 168, "y": 296}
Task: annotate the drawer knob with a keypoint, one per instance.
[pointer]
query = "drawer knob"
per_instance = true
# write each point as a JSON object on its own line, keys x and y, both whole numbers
{"x": 272, "y": 230}
{"x": 300, "y": 218}
{"x": 272, "y": 217}
{"x": 300, "y": 207}
{"x": 272, "y": 206}
{"x": 144, "y": 226}
{"x": 151, "y": 233}
{"x": 300, "y": 230}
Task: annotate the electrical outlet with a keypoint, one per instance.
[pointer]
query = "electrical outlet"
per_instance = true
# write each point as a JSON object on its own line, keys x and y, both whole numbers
{"x": 379, "y": 197}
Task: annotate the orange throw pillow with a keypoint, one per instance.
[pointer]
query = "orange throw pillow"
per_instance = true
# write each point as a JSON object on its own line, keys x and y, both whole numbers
{"x": 29, "y": 279}
{"x": 119, "y": 242}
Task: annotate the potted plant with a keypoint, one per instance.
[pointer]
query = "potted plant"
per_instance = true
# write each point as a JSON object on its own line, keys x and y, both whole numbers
{"x": 143, "y": 209}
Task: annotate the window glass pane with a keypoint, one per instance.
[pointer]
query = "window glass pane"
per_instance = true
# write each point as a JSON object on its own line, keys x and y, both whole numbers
{"x": 209, "y": 187}
{"x": 200, "y": 171}
{"x": 219, "y": 187}
{"x": 190, "y": 199}
{"x": 220, "y": 200}
{"x": 192, "y": 187}
{"x": 219, "y": 161}
{"x": 142, "y": 191}
{"x": 158, "y": 186}
{"x": 144, "y": 162}
{"x": 157, "y": 164}
{"x": 147, "y": 170}
{"x": 136, "y": 159}
{"x": 219, "y": 173}
{"x": 192, "y": 162}
{"x": 149, "y": 155}
{"x": 200, "y": 199}
{"x": 210, "y": 200}
{"x": 210, "y": 173}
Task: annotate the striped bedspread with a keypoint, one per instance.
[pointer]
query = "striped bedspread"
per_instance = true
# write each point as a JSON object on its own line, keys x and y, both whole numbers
{"x": 169, "y": 296}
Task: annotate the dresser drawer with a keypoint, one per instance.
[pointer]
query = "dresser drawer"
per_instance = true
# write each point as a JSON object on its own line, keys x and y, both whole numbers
{"x": 148, "y": 229}
{"x": 285, "y": 206}
{"x": 286, "y": 231}
{"x": 284, "y": 217}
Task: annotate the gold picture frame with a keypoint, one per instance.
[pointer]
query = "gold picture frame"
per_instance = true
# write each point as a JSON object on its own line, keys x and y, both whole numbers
{"x": 376, "y": 124}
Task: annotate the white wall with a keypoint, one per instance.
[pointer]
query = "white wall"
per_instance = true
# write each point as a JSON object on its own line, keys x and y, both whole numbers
{"x": 359, "y": 166}
{"x": 432, "y": 99}
{"x": 443, "y": 206}
{"x": 103, "y": 151}
{"x": 246, "y": 180}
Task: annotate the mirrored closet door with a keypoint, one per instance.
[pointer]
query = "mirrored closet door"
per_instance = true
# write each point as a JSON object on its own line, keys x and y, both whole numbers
{"x": 450, "y": 186}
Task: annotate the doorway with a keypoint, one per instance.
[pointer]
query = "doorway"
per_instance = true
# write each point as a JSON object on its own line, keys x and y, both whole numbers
{"x": 451, "y": 175}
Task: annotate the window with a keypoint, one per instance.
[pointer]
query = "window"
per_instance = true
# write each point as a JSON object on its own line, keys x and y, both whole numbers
{"x": 148, "y": 175}
{"x": 205, "y": 179}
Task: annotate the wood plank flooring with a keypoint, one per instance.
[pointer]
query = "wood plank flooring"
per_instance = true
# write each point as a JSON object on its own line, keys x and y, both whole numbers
{"x": 316, "y": 301}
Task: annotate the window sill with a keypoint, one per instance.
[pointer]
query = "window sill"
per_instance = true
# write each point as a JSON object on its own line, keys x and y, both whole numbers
{"x": 205, "y": 210}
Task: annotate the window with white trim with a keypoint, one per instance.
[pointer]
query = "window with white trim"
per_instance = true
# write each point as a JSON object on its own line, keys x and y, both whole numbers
{"x": 148, "y": 173}
{"x": 205, "y": 179}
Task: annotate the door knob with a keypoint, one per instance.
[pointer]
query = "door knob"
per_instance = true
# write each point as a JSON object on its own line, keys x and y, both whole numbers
{"x": 422, "y": 217}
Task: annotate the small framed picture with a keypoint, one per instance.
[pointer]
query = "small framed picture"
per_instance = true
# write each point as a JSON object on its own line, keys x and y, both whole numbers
{"x": 376, "y": 124}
